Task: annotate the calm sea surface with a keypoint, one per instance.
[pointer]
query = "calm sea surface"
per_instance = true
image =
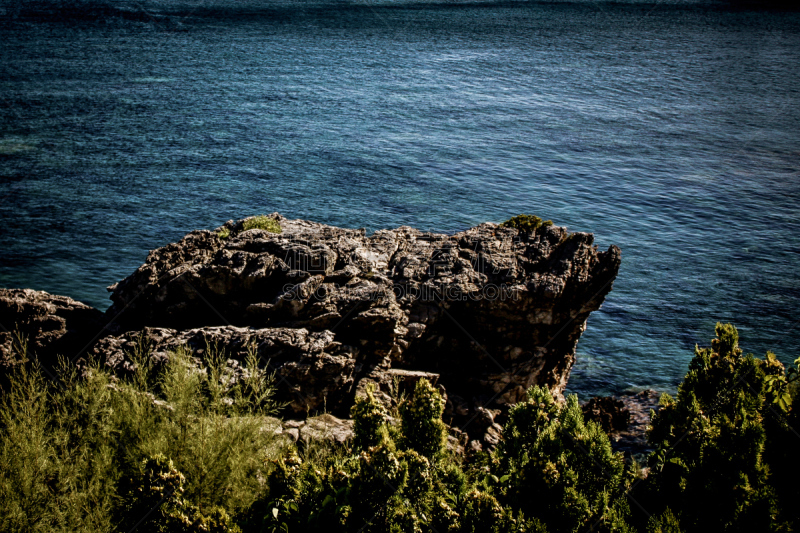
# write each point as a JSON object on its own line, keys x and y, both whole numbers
{"x": 670, "y": 130}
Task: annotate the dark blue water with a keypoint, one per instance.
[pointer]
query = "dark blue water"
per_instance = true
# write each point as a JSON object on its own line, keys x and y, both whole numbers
{"x": 672, "y": 131}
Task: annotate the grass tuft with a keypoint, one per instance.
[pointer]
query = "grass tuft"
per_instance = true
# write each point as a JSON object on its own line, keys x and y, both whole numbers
{"x": 262, "y": 222}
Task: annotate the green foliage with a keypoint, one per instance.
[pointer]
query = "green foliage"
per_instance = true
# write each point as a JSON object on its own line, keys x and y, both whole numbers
{"x": 183, "y": 446}
{"x": 153, "y": 498}
{"x": 262, "y": 222}
{"x": 224, "y": 233}
{"x": 781, "y": 455}
{"x": 560, "y": 469}
{"x": 528, "y": 223}
{"x": 389, "y": 481}
{"x": 90, "y": 453}
{"x": 216, "y": 521}
{"x": 369, "y": 421}
{"x": 154, "y": 502}
{"x": 780, "y": 387}
{"x": 421, "y": 416}
{"x": 711, "y": 441}
{"x": 482, "y": 512}
{"x": 56, "y": 453}
{"x": 209, "y": 426}
{"x": 666, "y": 522}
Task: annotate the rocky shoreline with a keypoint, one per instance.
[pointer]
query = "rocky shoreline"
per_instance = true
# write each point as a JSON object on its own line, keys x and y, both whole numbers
{"x": 485, "y": 313}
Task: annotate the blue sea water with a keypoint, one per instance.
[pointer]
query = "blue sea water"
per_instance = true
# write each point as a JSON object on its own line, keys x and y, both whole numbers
{"x": 669, "y": 129}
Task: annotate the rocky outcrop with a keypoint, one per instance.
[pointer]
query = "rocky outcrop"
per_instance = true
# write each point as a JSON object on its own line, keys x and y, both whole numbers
{"x": 485, "y": 313}
{"x": 633, "y": 439}
{"x": 49, "y": 325}
{"x": 492, "y": 310}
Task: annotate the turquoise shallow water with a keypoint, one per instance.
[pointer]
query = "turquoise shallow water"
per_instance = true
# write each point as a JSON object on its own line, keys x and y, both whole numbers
{"x": 671, "y": 130}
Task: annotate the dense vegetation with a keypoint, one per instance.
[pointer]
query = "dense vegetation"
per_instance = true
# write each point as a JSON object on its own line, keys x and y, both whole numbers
{"x": 177, "y": 448}
{"x": 526, "y": 223}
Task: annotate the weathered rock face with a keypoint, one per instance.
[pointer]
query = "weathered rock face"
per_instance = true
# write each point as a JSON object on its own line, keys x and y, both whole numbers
{"x": 484, "y": 314}
{"x": 51, "y": 325}
{"x": 312, "y": 371}
{"x": 490, "y": 310}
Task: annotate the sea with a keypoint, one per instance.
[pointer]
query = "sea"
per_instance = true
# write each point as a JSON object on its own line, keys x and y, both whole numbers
{"x": 671, "y": 129}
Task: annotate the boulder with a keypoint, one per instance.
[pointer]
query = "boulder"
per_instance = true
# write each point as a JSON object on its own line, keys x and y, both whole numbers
{"x": 323, "y": 428}
{"x": 625, "y": 418}
{"x": 327, "y": 427}
{"x": 633, "y": 439}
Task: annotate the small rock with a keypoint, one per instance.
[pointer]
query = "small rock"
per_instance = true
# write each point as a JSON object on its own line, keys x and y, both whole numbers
{"x": 293, "y": 433}
{"x": 327, "y": 428}
{"x": 608, "y": 411}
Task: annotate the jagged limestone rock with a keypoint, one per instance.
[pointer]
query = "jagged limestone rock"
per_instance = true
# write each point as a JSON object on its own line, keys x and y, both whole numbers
{"x": 48, "y": 324}
{"x": 485, "y": 313}
{"x": 492, "y": 310}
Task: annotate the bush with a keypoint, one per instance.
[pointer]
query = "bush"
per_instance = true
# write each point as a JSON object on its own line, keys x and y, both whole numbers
{"x": 666, "y": 522}
{"x": 388, "y": 481}
{"x": 554, "y": 466}
{"x": 714, "y": 441}
{"x": 422, "y": 426}
{"x": 369, "y": 421}
{"x": 91, "y": 453}
{"x": 57, "y": 449}
{"x": 183, "y": 447}
{"x": 153, "y": 499}
{"x": 210, "y": 428}
{"x": 528, "y": 223}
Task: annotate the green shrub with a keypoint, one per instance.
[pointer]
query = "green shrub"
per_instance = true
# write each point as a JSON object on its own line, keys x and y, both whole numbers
{"x": 383, "y": 483}
{"x": 482, "y": 512}
{"x": 528, "y": 223}
{"x": 712, "y": 442}
{"x": 217, "y": 520}
{"x": 28, "y": 457}
{"x": 182, "y": 447}
{"x": 262, "y": 222}
{"x": 57, "y": 449}
{"x": 369, "y": 421}
{"x": 211, "y": 429}
{"x": 421, "y": 421}
{"x": 88, "y": 452}
{"x": 780, "y": 453}
{"x": 154, "y": 497}
{"x": 153, "y": 501}
{"x": 363, "y": 492}
{"x": 666, "y": 522}
{"x": 559, "y": 469}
